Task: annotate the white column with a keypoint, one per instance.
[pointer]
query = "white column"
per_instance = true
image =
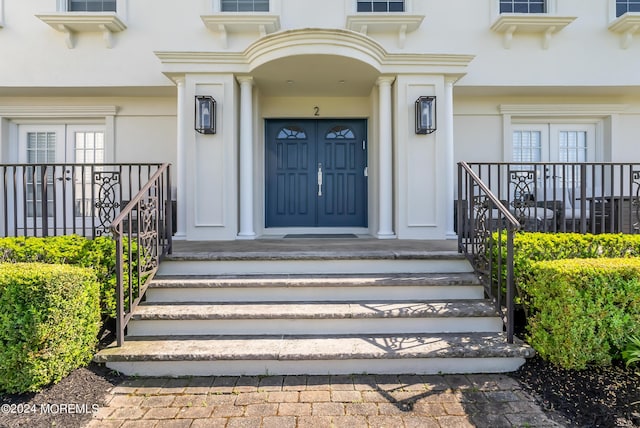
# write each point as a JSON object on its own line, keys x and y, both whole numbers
{"x": 450, "y": 167}
{"x": 385, "y": 153}
{"x": 181, "y": 164}
{"x": 246, "y": 158}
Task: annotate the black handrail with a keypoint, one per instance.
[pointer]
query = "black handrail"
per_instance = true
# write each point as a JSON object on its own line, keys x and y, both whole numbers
{"x": 142, "y": 233}
{"x": 480, "y": 215}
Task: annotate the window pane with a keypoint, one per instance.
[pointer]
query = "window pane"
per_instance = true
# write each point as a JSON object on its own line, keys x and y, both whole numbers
{"x": 381, "y": 6}
{"x": 41, "y": 148}
{"x": 573, "y": 146}
{"x": 91, "y": 6}
{"x": 624, "y": 6}
{"x": 523, "y": 6}
{"x": 89, "y": 148}
{"x": 244, "y": 5}
{"x": 527, "y": 146}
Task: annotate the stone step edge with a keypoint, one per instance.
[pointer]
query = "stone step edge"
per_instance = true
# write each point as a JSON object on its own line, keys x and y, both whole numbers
{"x": 315, "y": 255}
{"x": 338, "y": 280}
{"x": 297, "y": 348}
{"x": 313, "y": 311}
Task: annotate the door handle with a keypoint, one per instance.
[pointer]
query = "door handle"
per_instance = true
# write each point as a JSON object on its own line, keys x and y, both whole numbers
{"x": 319, "y": 179}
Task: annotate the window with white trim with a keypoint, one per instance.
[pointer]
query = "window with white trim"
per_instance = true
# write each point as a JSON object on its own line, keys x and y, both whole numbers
{"x": 40, "y": 148}
{"x": 91, "y": 6}
{"x": 527, "y": 145}
{"x": 46, "y": 144}
{"x": 381, "y": 6}
{"x": 554, "y": 142}
{"x": 624, "y": 6}
{"x": 523, "y": 6}
{"x": 244, "y": 5}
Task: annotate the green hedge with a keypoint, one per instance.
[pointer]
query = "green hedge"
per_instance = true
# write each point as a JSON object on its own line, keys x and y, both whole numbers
{"x": 583, "y": 311}
{"x": 49, "y": 322}
{"x": 533, "y": 247}
{"x": 98, "y": 254}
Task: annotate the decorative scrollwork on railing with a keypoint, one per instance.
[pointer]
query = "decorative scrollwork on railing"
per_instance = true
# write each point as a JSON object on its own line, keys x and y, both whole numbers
{"x": 107, "y": 202}
{"x": 522, "y": 183}
{"x": 635, "y": 201}
{"x": 148, "y": 235}
{"x": 482, "y": 232}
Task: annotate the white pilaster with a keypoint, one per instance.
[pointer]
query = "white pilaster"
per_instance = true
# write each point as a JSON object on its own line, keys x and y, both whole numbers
{"x": 385, "y": 147}
{"x": 181, "y": 167}
{"x": 246, "y": 158}
{"x": 450, "y": 168}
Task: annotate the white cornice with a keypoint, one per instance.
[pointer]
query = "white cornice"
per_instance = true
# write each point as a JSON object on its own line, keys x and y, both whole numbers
{"x": 397, "y": 23}
{"x": 318, "y": 41}
{"x": 38, "y": 112}
{"x": 71, "y": 23}
{"x": 562, "y": 109}
{"x": 546, "y": 25}
{"x": 626, "y": 25}
{"x": 225, "y": 23}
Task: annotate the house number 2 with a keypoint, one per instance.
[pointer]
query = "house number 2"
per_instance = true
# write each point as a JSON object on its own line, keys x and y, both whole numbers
{"x": 316, "y": 111}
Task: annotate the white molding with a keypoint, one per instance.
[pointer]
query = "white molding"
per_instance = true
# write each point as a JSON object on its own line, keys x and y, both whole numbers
{"x": 546, "y": 25}
{"x": 71, "y": 23}
{"x": 54, "y": 112}
{"x": 322, "y": 41}
{"x": 399, "y": 23}
{"x": 224, "y": 23}
{"x": 546, "y": 110}
{"x": 626, "y": 25}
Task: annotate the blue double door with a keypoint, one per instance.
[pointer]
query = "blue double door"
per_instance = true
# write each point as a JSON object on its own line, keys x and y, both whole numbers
{"x": 316, "y": 173}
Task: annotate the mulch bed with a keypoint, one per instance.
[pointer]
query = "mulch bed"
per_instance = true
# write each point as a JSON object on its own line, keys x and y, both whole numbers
{"x": 595, "y": 397}
{"x": 85, "y": 389}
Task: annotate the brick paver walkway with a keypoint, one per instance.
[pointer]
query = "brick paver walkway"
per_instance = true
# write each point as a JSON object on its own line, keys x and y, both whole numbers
{"x": 322, "y": 401}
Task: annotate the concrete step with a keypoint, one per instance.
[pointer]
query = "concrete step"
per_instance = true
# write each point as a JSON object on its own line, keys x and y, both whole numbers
{"x": 301, "y": 288}
{"x": 371, "y": 262}
{"x": 292, "y": 355}
{"x": 315, "y": 318}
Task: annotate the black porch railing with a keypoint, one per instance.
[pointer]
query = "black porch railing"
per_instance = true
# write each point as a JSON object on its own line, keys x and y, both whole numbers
{"x": 64, "y": 199}
{"x": 540, "y": 197}
{"x": 142, "y": 232}
{"x": 130, "y": 202}
{"x": 567, "y": 197}
{"x": 476, "y": 222}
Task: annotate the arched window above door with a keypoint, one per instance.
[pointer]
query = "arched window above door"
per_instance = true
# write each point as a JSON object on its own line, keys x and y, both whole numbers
{"x": 292, "y": 133}
{"x": 340, "y": 133}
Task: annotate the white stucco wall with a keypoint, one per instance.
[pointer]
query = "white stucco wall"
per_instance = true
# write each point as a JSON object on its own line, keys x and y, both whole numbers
{"x": 585, "y": 66}
{"x": 463, "y": 26}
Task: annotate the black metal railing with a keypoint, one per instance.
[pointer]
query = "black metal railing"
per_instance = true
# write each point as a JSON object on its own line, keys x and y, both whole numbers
{"x": 480, "y": 216}
{"x": 567, "y": 197}
{"x": 64, "y": 199}
{"x": 497, "y": 199}
{"x": 142, "y": 232}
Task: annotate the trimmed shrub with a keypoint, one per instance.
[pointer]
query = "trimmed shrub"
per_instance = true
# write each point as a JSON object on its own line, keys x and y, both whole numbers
{"x": 98, "y": 254}
{"x": 583, "y": 311}
{"x": 531, "y": 247}
{"x": 49, "y": 322}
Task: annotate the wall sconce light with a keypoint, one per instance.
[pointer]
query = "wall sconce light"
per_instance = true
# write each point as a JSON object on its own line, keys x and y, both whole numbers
{"x": 205, "y": 122}
{"x": 425, "y": 115}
